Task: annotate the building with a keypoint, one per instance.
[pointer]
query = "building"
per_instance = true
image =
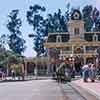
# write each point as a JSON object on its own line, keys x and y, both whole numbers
{"x": 39, "y": 63}
{"x": 76, "y": 44}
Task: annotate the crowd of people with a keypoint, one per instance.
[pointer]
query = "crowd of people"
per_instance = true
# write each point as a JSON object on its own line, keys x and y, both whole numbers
{"x": 66, "y": 71}
{"x": 89, "y": 71}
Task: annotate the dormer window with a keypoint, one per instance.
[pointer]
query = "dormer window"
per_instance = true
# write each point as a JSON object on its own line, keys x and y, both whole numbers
{"x": 95, "y": 37}
{"x": 76, "y": 15}
{"x": 58, "y": 39}
{"x": 76, "y": 31}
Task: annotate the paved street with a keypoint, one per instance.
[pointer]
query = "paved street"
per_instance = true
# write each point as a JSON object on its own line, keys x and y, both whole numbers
{"x": 30, "y": 90}
{"x": 41, "y": 90}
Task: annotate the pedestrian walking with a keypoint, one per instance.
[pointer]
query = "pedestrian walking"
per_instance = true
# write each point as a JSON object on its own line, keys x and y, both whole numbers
{"x": 35, "y": 72}
{"x": 0, "y": 74}
{"x": 67, "y": 70}
{"x": 85, "y": 72}
{"x": 13, "y": 74}
{"x": 92, "y": 72}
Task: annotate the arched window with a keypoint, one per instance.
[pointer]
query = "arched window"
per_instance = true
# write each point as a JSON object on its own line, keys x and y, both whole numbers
{"x": 95, "y": 37}
{"x": 76, "y": 31}
{"x": 58, "y": 39}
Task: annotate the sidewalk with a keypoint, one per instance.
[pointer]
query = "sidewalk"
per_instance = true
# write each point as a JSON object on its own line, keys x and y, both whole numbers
{"x": 92, "y": 88}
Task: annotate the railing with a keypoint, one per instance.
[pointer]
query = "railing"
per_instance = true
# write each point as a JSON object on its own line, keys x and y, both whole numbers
{"x": 66, "y": 52}
{"x": 90, "y": 51}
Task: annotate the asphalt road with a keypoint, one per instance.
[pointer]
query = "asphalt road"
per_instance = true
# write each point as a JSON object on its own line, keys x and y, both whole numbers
{"x": 31, "y": 90}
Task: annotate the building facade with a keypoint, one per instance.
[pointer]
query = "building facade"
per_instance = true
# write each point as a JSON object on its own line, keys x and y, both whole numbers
{"x": 76, "y": 44}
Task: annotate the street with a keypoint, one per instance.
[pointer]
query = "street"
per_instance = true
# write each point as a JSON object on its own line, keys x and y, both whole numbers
{"x": 41, "y": 90}
{"x": 30, "y": 90}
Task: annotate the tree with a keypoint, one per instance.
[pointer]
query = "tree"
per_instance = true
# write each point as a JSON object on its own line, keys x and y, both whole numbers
{"x": 9, "y": 58}
{"x": 3, "y": 41}
{"x": 57, "y": 22}
{"x": 2, "y": 50}
{"x": 15, "y": 42}
{"x": 87, "y": 10}
{"x": 97, "y": 24}
{"x": 36, "y": 20}
{"x": 91, "y": 18}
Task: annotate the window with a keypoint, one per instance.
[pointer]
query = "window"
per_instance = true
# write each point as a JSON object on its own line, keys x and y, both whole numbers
{"x": 95, "y": 37}
{"x": 51, "y": 38}
{"x": 76, "y": 31}
{"x": 65, "y": 37}
{"x": 98, "y": 37}
{"x": 88, "y": 37}
{"x": 59, "y": 38}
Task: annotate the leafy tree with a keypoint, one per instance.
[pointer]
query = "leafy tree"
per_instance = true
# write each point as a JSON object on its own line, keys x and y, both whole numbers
{"x": 3, "y": 40}
{"x": 9, "y": 58}
{"x": 15, "y": 42}
{"x": 87, "y": 10}
{"x": 57, "y": 22}
{"x": 36, "y": 20}
{"x": 97, "y": 24}
{"x": 91, "y": 18}
{"x": 95, "y": 14}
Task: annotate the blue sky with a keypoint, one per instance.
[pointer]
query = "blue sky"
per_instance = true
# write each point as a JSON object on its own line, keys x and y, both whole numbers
{"x": 52, "y": 5}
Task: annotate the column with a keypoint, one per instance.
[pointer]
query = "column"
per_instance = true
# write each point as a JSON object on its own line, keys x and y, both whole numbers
{"x": 22, "y": 68}
{"x": 84, "y": 60}
{"x": 25, "y": 68}
{"x": 72, "y": 49}
{"x": 48, "y": 65}
{"x": 84, "y": 48}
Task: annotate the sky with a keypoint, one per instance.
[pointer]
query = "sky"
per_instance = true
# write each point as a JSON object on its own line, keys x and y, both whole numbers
{"x": 51, "y": 6}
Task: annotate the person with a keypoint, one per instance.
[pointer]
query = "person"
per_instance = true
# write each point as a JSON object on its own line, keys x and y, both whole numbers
{"x": 81, "y": 71}
{"x": 64, "y": 71}
{"x": 0, "y": 74}
{"x": 67, "y": 70}
{"x": 92, "y": 72}
{"x": 85, "y": 72}
{"x": 35, "y": 72}
{"x": 59, "y": 72}
{"x": 13, "y": 74}
{"x": 54, "y": 71}
{"x": 72, "y": 70}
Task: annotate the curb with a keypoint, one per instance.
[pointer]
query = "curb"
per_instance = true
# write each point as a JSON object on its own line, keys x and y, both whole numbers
{"x": 26, "y": 79}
